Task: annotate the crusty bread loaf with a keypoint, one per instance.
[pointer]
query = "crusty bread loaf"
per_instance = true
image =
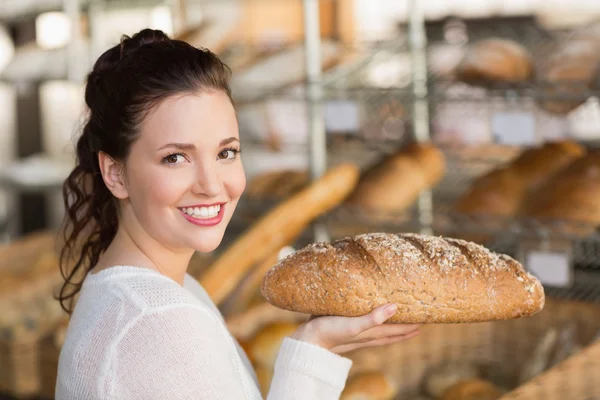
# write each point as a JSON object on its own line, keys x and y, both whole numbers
{"x": 370, "y": 386}
{"x": 472, "y": 389}
{"x": 536, "y": 164}
{"x": 430, "y": 279}
{"x": 571, "y": 196}
{"x": 495, "y": 60}
{"x": 394, "y": 184}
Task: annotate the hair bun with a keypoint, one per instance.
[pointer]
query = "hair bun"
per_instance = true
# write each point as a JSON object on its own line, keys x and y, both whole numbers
{"x": 128, "y": 45}
{"x": 145, "y": 36}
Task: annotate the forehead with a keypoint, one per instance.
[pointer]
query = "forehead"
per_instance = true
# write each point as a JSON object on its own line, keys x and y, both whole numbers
{"x": 194, "y": 118}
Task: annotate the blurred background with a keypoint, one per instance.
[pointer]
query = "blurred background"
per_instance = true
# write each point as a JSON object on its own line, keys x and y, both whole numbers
{"x": 491, "y": 106}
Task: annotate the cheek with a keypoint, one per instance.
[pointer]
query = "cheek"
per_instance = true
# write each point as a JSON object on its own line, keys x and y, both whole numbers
{"x": 235, "y": 181}
{"x": 161, "y": 187}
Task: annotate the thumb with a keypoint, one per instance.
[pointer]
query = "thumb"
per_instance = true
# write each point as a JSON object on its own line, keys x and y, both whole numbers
{"x": 377, "y": 317}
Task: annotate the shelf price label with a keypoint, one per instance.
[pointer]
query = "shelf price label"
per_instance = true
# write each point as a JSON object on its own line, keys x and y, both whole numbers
{"x": 552, "y": 268}
{"x": 514, "y": 128}
{"x": 342, "y": 116}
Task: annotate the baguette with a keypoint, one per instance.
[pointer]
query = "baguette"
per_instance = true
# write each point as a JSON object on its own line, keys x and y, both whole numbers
{"x": 277, "y": 228}
{"x": 430, "y": 279}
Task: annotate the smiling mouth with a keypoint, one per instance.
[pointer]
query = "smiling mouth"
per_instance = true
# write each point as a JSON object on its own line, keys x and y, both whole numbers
{"x": 202, "y": 212}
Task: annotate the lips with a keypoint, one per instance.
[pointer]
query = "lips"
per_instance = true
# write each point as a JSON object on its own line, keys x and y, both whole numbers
{"x": 204, "y": 215}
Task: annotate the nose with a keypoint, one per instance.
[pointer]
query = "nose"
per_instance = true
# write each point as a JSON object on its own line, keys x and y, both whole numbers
{"x": 207, "y": 182}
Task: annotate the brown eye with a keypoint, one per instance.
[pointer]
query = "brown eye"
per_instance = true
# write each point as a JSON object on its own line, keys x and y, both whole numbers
{"x": 226, "y": 154}
{"x": 173, "y": 159}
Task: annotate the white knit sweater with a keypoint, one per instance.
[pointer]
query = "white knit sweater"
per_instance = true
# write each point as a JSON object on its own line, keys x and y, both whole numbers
{"x": 137, "y": 334}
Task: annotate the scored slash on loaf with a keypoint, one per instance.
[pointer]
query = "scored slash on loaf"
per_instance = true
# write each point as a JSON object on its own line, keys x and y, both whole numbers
{"x": 430, "y": 279}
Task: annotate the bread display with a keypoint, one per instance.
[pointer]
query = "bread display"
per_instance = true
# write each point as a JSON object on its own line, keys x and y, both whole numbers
{"x": 568, "y": 74}
{"x": 445, "y": 375}
{"x": 276, "y": 184}
{"x": 536, "y": 164}
{"x": 394, "y": 184}
{"x": 430, "y": 279}
{"x": 472, "y": 389}
{"x": 495, "y": 60}
{"x": 500, "y": 194}
{"x": 570, "y": 198}
{"x": 265, "y": 345}
{"x": 277, "y": 228}
{"x": 370, "y": 386}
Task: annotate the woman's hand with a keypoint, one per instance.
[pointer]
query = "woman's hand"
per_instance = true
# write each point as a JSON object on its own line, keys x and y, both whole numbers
{"x": 343, "y": 334}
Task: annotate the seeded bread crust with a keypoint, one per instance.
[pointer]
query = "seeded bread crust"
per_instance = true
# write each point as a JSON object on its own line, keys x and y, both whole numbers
{"x": 431, "y": 280}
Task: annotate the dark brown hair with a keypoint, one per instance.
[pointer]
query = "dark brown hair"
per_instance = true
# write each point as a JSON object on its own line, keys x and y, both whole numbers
{"x": 127, "y": 82}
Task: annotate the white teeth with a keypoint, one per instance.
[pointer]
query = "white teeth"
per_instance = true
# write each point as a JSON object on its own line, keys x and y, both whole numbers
{"x": 202, "y": 212}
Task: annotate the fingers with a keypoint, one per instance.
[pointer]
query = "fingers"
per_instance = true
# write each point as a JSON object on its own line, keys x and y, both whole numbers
{"x": 386, "y": 330}
{"x": 376, "y": 317}
{"x": 377, "y": 342}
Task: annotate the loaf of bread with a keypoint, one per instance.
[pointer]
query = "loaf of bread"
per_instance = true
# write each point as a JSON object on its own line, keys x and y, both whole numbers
{"x": 570, "y": 199}
{"x": 472, "y": 389}
{"x": 394, "y": 184}
{"x": 567, "y": 75}
{"x": 495, "y": 60}
{"x": 500, "y": 194}
{"x": 430, "y": 279}
{"x": 370, "y": 386}
{"x": 536, "y": 164}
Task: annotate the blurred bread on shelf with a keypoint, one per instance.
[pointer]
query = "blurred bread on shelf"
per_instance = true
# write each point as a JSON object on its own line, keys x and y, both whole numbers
{"x": 393, "y": 184}
{"x": 498, "y": 195}
{"x": 472, "y": 389}
{"x": 570, "y": 71}
{"x": 493, "y": 61}
{"x": 570, "y": 200}
{"x": 443, "y": 376}
{"x": 276, "y": 184}
{"x": 370, "y": 386}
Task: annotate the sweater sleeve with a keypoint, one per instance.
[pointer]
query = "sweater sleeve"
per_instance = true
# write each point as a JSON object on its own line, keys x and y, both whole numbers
{"x": 304, "y": 371}
{"x": 185, "y": 352}
{"x": 176, "y": 353}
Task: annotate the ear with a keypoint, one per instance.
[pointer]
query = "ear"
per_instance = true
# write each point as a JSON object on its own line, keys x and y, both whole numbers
{"x": 113, "y": 175}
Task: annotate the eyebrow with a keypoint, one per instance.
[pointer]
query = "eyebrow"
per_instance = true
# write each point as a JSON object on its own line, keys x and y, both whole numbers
{"x": 190, "y": 146}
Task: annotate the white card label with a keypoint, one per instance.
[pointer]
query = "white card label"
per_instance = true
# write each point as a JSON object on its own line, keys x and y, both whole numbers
{"x": 514, "y": 128}
{"x": 551, "y": 268}
{"x": 341, "y": 116}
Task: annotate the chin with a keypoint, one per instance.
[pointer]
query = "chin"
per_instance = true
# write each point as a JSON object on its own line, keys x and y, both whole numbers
{"x": 207, "y": 243}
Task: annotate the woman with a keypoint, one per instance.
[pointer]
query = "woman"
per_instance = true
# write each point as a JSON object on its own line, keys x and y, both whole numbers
{"x": 158, "y": 177}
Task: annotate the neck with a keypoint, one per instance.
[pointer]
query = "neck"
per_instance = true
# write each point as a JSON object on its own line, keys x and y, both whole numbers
{"x": 133, "y": 246}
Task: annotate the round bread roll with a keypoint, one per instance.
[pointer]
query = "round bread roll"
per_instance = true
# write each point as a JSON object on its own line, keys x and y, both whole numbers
{"x": 472, "y": 389}
{"x": 444, "y": 376}
{"x": 370, "y": 386}
{"x": 495, "y": 60}
{"x": 264, "y": 347}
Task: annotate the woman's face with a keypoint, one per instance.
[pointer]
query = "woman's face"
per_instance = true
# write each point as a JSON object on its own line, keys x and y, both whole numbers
{"x": 184, "y": 175}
